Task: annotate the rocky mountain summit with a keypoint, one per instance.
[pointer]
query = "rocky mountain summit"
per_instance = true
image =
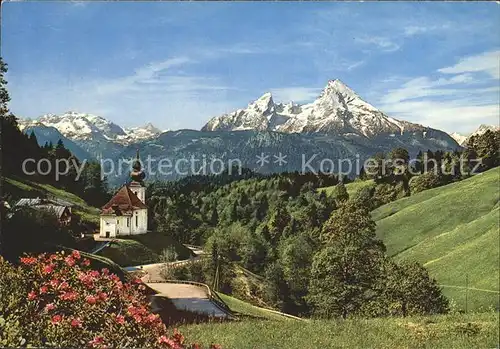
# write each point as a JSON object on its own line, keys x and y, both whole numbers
{"x": 337, "y": 110}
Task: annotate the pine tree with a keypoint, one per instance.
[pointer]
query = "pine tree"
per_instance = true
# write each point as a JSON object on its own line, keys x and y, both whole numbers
{"x": 214, "y": 217}
{"x": 279, "y": 220}
{"x": 341, "y": 194}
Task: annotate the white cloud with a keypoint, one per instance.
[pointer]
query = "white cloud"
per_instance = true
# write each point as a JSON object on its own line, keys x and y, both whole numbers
{"x": 459, "y": 99}
{"x": 487, "y": 62}
{"x": 425, "y": 87}
{"x": 450, "y": 116}
{"x": 413, "y": 30}
{"x": 156, "y": 92}
{"x": 383, "y": 43}
{"x": 354, "y": 65}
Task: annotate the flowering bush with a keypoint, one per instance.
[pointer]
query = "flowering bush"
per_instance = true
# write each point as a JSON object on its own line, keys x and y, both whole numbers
{"x": 56, "y": 300}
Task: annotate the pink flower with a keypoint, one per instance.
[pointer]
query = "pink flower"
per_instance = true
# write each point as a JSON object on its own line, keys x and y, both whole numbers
{"x": 56, "y": 319}
{"x": 179, "y": 338}
{"x": 76, "y": 323}
{"x": 94, "y": 273}
{"x": 96, "y": 341}
{"x": 132, "y": 310}
{"x": 76, "y": 254}
{"x": 68, "y": 296}
{"x": 28, "y": 260}
{"x": 54, "y": 283}
{"x": 91, "y": 299}
{"x": 120, "y": 319}
{"x": 43, "y": 289}
{"x": 103, "y": 296}
{"x": 138, "y": 318}
{"x": 48, "y": 269}
{"x": 69, "y": 261}
{"x": 105, "y": 271}
{"x": 52, "y": 257}
{"x": 152, "y": 317}
{"x": 31, "y": 296}
{"x": 171, "y": 343}
{"x": 86, "y": 279}
{"x": 137, "y": 281}
{"x": 64, "y": 285}
{"x": 86, "y": 262}
{"x": 50, "y": 307}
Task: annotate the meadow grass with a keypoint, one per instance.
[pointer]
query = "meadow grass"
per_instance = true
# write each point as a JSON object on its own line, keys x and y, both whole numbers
{"x": 458, "y": 331}
{"x": 143, "y": 249}
{"x": 352, "y": 188}
{"x": 245, "y": 309}
{"x": 454, "y": 232}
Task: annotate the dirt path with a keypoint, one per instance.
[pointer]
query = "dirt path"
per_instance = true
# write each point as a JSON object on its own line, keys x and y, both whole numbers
{"x": 471, "y": 288}
{"x": 188, "y": 297}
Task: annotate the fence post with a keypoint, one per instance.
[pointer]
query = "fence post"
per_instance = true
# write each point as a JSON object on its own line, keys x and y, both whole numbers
{"x": 466, "y": 291}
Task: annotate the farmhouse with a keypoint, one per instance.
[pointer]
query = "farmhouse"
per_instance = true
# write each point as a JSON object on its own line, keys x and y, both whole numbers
{"x": 126, "y": 213}
{"x": 60, "y": 208}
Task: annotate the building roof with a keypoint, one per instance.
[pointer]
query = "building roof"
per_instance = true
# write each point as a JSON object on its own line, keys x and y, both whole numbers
{"x": 123, "y": 201}
{"x": 42, "y": 201}
{"x": 28, "y": 202}
{"x": 42, "y": 204}
{"x": 58, "y": 210}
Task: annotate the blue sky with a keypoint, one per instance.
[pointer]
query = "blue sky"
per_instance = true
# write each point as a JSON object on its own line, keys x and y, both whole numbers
{"x": 178, "y": 64}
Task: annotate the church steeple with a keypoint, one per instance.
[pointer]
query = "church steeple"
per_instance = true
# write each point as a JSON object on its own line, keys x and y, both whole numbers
{"x": 137, "y": 174}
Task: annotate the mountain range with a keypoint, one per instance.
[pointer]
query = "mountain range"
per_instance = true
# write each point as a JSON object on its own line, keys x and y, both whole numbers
{"x": 463, "y": 139}
{"x": 337, "y": 110}
{"x": 338, "y": 124}
{"x": 78, "y": 126}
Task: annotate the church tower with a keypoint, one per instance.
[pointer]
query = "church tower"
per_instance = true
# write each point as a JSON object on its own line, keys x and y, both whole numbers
{"x": 137, "y": 175}
{"x": 126, "y": 213}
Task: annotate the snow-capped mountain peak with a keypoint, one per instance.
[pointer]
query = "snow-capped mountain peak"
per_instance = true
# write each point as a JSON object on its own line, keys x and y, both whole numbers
{"x": 82, "y": 127}
{"x": 264, "y": 104}
{"x": 338, "y": 109}
{"x": 133, "y": 134}
{"x": 338, "y": 87}
{"x": 460, "y": 138}
{"x": 482, "y": 129}
{"x": 76, "y": 125}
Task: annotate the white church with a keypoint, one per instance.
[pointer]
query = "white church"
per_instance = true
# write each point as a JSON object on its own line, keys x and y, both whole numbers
{"x": 126, "y": 213}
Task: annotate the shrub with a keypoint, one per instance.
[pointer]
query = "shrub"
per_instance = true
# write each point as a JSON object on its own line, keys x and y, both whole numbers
{"x": 58, "y": 301}
{"x": 424, "y": 181}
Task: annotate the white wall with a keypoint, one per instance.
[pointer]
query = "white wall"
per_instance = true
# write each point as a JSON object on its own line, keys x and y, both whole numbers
{"x": 107, "y": 224}
{"x": 139, "y": 226}
{"x": 117, "y": 226}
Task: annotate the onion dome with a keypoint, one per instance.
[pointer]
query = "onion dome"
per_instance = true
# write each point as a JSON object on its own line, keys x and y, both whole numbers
{"x": 137, "y": 173}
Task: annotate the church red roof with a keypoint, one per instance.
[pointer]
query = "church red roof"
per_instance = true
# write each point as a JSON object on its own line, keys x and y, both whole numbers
{"x": 123, "y": 201}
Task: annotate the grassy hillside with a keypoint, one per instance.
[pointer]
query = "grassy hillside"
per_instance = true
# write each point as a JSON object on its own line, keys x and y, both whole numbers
{"x": 450, "y": 331}
{"x": 352, "y": 188}
{"x": 18, "y": 188}
{"x": 244, "y": 309}
{"x": 454, "y": 231}
{"x": 143, "y": 249}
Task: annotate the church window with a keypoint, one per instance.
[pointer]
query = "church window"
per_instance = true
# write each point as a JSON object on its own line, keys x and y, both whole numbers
{"x": 136, "y": 220}
{"x": 128, "y": 221}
